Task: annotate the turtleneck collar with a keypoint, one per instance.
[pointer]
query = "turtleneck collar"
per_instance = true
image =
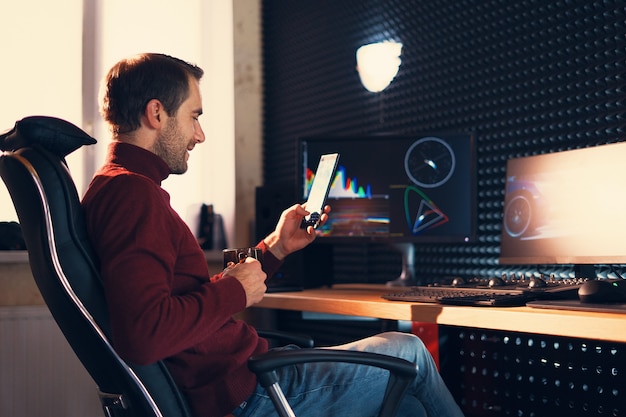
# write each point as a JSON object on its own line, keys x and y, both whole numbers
{"x": 139, "y": 160}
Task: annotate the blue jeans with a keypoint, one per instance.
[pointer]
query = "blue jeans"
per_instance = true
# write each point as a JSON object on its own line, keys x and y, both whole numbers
{"x": 338, "y": 389}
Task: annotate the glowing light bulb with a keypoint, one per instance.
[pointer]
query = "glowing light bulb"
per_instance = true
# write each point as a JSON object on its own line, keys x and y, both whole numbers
{"x": 378, "y": 64}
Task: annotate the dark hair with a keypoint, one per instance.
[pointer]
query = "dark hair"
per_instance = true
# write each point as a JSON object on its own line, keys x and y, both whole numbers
{"x": 133, "y": 82}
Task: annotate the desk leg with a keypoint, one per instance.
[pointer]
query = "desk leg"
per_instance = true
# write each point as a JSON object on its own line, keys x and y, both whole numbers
{"x": 429, "y": 333}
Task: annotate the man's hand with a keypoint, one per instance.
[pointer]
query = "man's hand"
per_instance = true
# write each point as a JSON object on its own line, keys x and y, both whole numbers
{"x": 252, "y": 278}
{"x": 289, "y": 237}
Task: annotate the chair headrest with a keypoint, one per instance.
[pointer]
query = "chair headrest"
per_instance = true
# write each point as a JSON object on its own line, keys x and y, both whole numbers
{"x": 55, "y": 135}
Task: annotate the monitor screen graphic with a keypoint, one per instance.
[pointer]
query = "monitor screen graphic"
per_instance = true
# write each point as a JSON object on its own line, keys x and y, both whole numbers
{"x": 404, "y": 188}
{"x": 566, "y": 208}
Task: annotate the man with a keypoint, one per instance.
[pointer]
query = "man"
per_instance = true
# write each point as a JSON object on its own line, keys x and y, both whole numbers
{"x": 163, "y": 304}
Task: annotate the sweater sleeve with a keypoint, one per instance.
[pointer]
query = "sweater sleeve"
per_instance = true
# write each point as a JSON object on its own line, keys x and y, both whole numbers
{"x": 155, "y": 275}
{"x": 270, "y": 262}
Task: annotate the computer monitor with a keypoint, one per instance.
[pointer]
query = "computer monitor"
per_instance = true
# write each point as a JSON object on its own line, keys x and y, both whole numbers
{"x": 566, "y": 208}
{"x": 396, "y": 188}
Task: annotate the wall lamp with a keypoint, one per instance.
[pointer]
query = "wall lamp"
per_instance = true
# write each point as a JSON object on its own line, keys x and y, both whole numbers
{"x": 378, "y": 64}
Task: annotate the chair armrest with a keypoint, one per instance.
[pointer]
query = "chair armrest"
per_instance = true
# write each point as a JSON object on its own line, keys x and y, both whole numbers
{"x": 401, "y": 372}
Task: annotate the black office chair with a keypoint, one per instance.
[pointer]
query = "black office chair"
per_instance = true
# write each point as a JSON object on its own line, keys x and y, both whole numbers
{"x": 63, "y": 264}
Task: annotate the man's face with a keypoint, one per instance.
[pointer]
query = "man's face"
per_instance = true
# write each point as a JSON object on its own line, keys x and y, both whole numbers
{"x": 181, "y": 133}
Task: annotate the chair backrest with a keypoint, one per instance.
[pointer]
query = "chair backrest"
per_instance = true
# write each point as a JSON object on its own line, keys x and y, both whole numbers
{"x": 63, "y": 264}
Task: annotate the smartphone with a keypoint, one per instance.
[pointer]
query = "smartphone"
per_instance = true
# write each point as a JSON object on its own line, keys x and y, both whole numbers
{"x": 322, "y": 181}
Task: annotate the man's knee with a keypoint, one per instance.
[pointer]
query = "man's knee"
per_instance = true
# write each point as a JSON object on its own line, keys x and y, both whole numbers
{"x": 404, "y": 345}
{"x": 398, "y": 344}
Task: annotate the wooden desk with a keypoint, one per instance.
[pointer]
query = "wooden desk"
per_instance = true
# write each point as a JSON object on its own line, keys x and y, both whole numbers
{"x": 364, "y": 300}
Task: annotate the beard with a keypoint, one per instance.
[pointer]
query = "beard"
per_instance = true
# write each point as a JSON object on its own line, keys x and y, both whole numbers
{"x": 170, "y": 147}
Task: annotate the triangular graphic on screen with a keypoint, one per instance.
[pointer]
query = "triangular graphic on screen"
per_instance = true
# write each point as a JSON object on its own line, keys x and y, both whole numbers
{"x": 427, "y": 215}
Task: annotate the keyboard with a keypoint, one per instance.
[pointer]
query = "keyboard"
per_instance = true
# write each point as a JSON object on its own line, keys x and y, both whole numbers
{"x": 514, "y": 294}
{"x": 489, "y": 300}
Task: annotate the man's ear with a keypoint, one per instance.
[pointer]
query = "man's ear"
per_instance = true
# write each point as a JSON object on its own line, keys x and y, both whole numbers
{"x": 154, "y": 113}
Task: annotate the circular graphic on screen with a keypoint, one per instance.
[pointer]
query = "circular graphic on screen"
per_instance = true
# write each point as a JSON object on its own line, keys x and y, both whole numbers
{"x": 518, "y": 215}
{"x": 429, "y": 162}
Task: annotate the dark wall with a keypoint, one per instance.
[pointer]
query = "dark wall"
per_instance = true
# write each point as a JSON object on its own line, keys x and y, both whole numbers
{"x": 527, "y": 76}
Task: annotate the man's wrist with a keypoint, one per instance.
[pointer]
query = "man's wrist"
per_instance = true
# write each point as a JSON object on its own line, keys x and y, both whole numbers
{"x": 272, "y": 242}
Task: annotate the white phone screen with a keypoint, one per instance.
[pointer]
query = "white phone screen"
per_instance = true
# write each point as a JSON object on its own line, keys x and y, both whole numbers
{"x": 322, "y": 182}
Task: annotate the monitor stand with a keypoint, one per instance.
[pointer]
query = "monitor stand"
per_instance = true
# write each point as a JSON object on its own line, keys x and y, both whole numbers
{"x": 585, "y": 271}
{"x": 407, "y": 276}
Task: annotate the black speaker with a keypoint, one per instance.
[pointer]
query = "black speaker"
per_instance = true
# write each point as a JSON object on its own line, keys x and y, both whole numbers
{"x": 308, "y": 268}
{"x": 270, "y": 202}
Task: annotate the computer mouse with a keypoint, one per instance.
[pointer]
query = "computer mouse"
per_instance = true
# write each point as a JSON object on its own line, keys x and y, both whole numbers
{"x": 603, "y": 291}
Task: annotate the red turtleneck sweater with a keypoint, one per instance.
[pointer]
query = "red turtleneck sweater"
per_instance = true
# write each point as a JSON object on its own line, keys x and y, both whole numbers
{"x": 162, "y": 303}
